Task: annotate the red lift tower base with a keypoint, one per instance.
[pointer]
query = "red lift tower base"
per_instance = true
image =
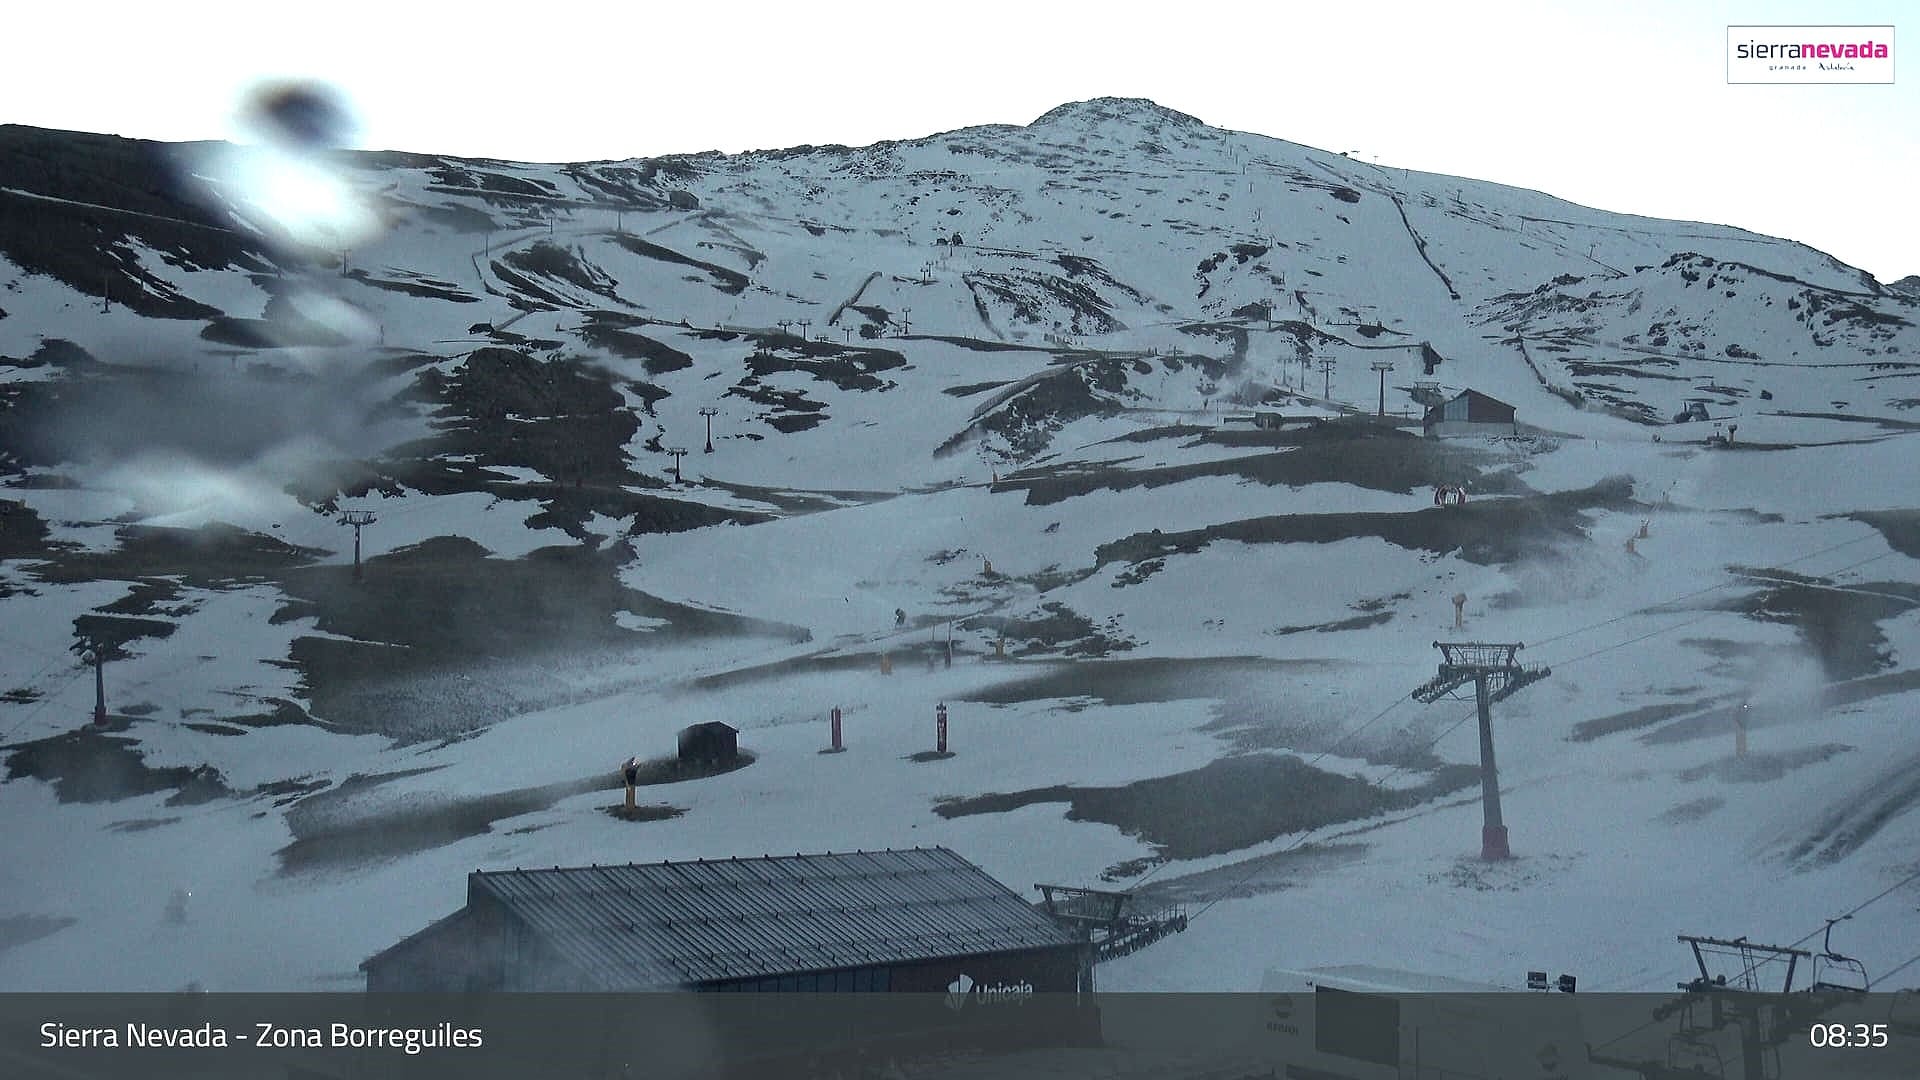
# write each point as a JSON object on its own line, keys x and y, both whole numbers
{"x": 1493, "y": 843}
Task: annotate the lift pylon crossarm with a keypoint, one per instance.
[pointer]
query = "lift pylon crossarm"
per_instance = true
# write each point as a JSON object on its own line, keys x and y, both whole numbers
{"x": 1517, "y": 680}
{"x": 1741, "y": 942}
{"x": 1440, "y": 686}
{"x": 1751, "y": 954}
{"x": 1478, "y": 654}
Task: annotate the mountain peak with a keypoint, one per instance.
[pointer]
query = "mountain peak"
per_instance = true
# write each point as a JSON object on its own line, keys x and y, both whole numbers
{"x": 1125, "y": 109}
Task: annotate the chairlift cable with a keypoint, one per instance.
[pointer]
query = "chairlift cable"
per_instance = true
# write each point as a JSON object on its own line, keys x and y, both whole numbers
{"x": 44, "y": 702}
{"x": 1713, "y": 588}
{"x": 1904, "y": 966}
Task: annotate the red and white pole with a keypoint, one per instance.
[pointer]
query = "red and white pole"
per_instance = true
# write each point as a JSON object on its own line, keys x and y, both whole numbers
{"x": 940, "y": 728}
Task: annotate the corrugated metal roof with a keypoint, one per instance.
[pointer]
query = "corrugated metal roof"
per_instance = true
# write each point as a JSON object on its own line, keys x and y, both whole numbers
{"x": 434, "y": 928}
{"x": 672, "y": 923}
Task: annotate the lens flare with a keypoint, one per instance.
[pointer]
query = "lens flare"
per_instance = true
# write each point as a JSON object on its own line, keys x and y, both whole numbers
{"x": 286, "y": 183}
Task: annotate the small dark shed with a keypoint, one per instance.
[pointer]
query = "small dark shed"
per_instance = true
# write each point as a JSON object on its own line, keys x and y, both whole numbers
{"x": 711, "y": 743}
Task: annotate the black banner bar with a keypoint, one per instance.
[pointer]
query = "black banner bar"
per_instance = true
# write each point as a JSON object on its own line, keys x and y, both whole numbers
{"x": 1324, "y": 1034}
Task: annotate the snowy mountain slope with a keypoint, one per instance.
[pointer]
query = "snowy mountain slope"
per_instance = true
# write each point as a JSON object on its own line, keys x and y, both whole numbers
{"x": 1181, "y": 642}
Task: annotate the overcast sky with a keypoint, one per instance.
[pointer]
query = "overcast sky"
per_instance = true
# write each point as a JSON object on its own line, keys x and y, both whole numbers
{"x": 1618, "y": 105}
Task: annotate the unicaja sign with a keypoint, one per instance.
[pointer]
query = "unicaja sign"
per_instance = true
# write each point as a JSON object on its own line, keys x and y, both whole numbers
{"x": 957, "y": 991}
{"x": 1810, "y": 54}
{"x": 960, "y": 990}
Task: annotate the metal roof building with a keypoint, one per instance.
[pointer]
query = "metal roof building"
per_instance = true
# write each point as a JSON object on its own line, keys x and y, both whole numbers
{"x": 916, "y": 920}
{"x": 1470, "y": 412}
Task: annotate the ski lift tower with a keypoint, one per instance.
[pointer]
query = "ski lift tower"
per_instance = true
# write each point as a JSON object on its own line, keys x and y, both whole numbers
{"x": 96, "y": 654}
{"x": 1495, "y": 676}
{"x": 1383, "y": 366}
{"x": 359, "y": 519}
{"x": 1764, "y": 1014}
{"x": 709, "y": 412}
{"x": 1737, "y": 1013}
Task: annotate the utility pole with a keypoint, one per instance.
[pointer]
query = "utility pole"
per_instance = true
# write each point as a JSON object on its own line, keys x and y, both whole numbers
{"x": 678, "y": 452}
{"x": 359, "y": 519}
{"x": 806, "y": 326}
{"x": 1495, "y": 676}
{"x": 1383, "y": 366}
{"x": 97, "y": 656}
{"x": 905, "y": 323}
{"x": 1326, "y": 370}
{"x": 783, "y": 324}
{"x": 848, "y": 330}
{"x": 709, "y": 412}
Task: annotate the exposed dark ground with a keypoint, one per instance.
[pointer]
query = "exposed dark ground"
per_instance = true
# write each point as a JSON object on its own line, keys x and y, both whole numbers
{"x": 1380, "y": 458}
{"x": 1488, "y": 531}
{"x": 21, "y": 532}
{"x": 96, "y": 764}
{"x": 1845, "y": 828}
{"x": 94, "y": 412}
{"x": 1635, "y": 719}
{"x": 1131, "y": 682}
{"x": 562, "y": 418}
{"x": 454, "y": 612}
{"x": 23, "y": 929}
{"x": 1900, "y": 528}
{"x": 426, "y": 623}
{"x": 332, "y": 831}
{"x": 89, "y": 248}
{"x": 1840, "y": 623}
{"x": 1247, "y": 877}
{"x": 427, "y": 618}
{"x": 1224, "y": 806}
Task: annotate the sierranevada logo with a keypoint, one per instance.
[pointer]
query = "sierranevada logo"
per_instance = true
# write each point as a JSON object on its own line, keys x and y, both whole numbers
{"x": 1810, "y": 54}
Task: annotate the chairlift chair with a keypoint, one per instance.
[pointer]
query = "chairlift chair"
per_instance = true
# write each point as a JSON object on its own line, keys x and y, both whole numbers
{"x": 1694, "y": 1054}
{"x": 1834, "y": 972}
